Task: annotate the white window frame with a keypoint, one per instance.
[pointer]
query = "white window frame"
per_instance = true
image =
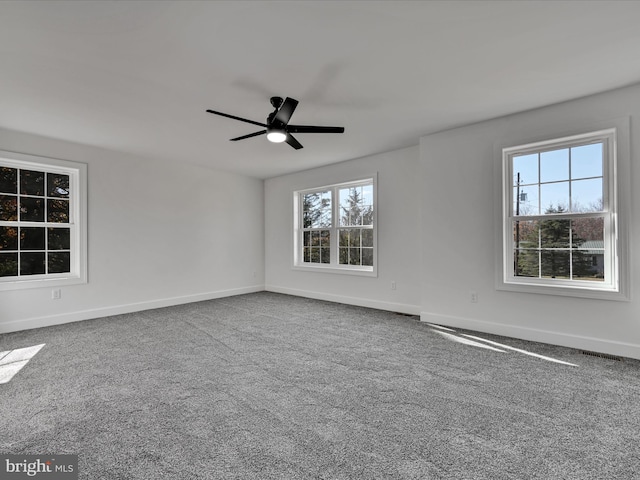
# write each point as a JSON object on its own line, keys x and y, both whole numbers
{"x": 615, "y": 285}
{"x": 333, "y": 266}
{"x": 77, "y": 220}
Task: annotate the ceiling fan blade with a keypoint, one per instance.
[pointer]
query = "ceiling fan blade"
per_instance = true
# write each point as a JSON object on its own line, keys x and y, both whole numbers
{"x": 313, "y": 129}
{"x": 286, "y": 110}
{"x": 293, "y": 142}
{"x": 261, "y": 132}
{"x": 237, "y": 118}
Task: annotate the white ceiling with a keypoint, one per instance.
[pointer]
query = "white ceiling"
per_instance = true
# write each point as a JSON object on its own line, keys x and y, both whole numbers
{"x": 137, "y": 77}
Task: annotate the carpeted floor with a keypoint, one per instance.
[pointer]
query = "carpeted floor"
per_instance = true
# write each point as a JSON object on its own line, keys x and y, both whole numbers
{"x": 268, "y": 386}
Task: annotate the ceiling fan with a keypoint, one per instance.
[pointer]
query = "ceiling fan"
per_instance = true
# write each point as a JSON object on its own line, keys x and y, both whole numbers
{"x": 277, "y": 127}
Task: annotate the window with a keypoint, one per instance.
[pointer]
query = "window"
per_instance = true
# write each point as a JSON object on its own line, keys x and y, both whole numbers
{"x": 559, "y": 200}
{"x": 41, "y": 228}
{"x": 335, "y": 227}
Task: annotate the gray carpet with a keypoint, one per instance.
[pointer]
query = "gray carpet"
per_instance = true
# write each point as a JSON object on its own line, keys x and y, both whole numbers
{"x": 268, "y": 386}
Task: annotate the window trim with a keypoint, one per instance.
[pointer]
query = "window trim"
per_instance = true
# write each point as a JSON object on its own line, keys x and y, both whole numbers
{"x": 359, "y": 270}
{"x": 78, "y": 219}
{"x": 614, "y": 188}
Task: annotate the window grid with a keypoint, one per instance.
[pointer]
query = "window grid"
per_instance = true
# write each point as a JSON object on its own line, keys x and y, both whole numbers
{"x": 356, "y": 225}
{"x": 35, "y": 222}
{"x": 568, "y": 242}
{"x": 337, "y": 226}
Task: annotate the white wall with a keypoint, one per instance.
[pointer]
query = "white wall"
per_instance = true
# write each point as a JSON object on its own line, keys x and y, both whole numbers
{"x": 460, "y": 180}
{"x": 162, "y": 234}
{"x": 159, "y": 234}
{"x": 398, "y": 234}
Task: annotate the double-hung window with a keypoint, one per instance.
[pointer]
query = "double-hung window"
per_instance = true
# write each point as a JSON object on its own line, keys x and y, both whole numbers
{"x": 559, "y": 214}
{"x": 42, "y": 232}
{"x": 335, "y": 227}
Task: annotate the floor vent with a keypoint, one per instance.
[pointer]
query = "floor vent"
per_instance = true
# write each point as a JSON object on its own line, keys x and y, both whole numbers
{"x": 601, "y": 355}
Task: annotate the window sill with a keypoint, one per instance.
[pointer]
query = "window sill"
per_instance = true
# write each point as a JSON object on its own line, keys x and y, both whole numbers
{"x": 563, "y": 290}
{"x": 8, "y": 285}
{"x": 359, "y": 271}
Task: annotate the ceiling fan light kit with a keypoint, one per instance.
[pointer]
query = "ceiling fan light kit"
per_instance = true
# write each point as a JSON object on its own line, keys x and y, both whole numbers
{"x": 276, "y": 136}
{"x": 277, "y": 127}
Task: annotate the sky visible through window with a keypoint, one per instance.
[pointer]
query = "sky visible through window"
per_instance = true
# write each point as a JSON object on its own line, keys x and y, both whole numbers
{"x": 568, "y": 177}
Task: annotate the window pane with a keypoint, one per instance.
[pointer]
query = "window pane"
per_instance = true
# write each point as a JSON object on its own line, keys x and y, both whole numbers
{"x": 367, "y": 237}
{"x": 8, "y": 238}
{"x": 527, "y": 167}
{"x": 554, "y": 197}
{"x": 344, "y": 238}
{"x": 526, "y": 234}
{"x": 367, "y": 257}
{"x": 367, "y": 194}
{"x": 325, "y": 238}
{"x": 307, "y": 219}
{"x": 586, "y": 195}
{"x": 351, "y": 206}
{"x": 306, "y": 239}
{"x": 554, "y": 264}
{"x": 344, "y": 256}
{"x": 31, "y": 209}
{"x": 354, "y": 237}
{"x": 588, "y": 233}
{"x": 307, "y": 254}
{"x": 583, "y": 267}
{"x": 315, "y": 255}
{"x": 57, "y": 185}
{"x": 554, "y": 165}
{"x": 31, "y": 238}
{"x": 588, "y": 253}
{"x": 527, "y": 263}
{"x": 367, "y": 205}
{"x": 354, "y": 256}
{"x": 315, "y": 239}
{"x": 555, "y": 233}
{"x": 316, "y": 209}
{"x": 528, "y": 200}
{"x": 59, "y": 239}
{"x": 325, "y": 255}
{"x": 8, "y": 180}
{"x": 32, "y": 182}
{"x": 58, "y": 211}
{"x": 8, "y": 208}
{"x": 325, "y": 220}
{"x": 344, "y": 194}
{"x": 8, "y": 264}
{"x": 367, "y": 215}
{"x": 32, "y": 263}
{"x": 586, "y": 161}
{"x": 59, "y": 262}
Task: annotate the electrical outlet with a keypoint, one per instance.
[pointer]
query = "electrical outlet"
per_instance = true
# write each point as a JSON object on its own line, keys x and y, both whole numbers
{"x": 56, "y": 294}
{"x": 474, "y": 297}
{"x": 393, "y": 285}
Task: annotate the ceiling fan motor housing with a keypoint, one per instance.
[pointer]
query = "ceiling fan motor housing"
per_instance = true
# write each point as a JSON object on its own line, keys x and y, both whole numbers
{"x": 276, "y": 102}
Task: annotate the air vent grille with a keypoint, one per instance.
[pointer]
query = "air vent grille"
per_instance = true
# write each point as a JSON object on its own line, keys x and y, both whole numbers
{"x": 601, "y": 355}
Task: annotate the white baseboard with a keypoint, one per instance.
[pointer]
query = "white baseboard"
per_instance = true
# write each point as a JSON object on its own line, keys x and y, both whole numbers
{"x": 580, "y": 342}
{"x": 360, "y": 302}
{"x": 58, "y": 319}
